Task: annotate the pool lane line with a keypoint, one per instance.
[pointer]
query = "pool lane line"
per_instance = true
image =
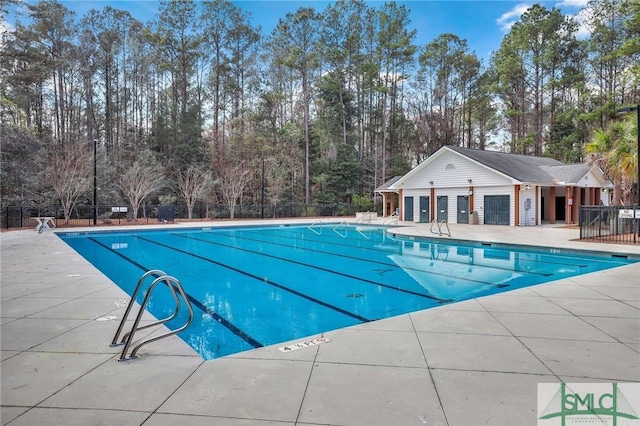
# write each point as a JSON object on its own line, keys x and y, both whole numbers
{"x": 312, "y": 239}
{"x": 375, "y": 250}
{"x": 392, "y": 265}
{"x": 320, "y": 268}
{"x": 263, "y": 280}
{"x": 234, "y": 329}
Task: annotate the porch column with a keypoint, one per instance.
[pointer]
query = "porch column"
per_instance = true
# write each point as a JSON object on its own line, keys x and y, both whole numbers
{"x": 471, "y": 200}
{"x": 577, "y": 200}
{"x": 552, "y": 204}
{"x": 401, "y": 202}
{"x": 384, "y": 204}
{"x": 392, "y": 202}
{"x": 568, "y": 204}
{"x": 516, "y": 192}
{"x": 536, "y": 191}
{"x": 432, "y": 201}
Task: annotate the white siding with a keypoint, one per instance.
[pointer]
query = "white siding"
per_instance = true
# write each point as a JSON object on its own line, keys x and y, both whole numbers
{"x": 457, "y": 175}
{"x": 592, "y": 179}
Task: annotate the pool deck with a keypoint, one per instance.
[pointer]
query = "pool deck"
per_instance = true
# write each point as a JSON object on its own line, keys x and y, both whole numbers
{"x": 470, "y": 363}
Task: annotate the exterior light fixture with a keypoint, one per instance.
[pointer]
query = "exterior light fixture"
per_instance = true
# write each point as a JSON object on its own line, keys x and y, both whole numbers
{"x": 527, "y": 187}
{"x": 469, "y": 181}
{"x": 431, "y": 182}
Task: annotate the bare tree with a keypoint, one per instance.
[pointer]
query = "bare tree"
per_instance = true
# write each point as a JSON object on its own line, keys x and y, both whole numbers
{"x": 233, "y": 181}
{"x": 139, "y": 181}
{"x": 277, "y": 180}
{"x": 68, "y": 173}
{"x": 193, "y": 184}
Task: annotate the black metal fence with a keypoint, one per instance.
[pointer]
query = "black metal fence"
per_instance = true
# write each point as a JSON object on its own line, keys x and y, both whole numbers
{"x": 22, "y": 217}
{"x": 614, "y": 224}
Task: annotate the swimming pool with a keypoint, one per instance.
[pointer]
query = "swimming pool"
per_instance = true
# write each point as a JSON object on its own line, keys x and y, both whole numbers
{"x": 253, "y": 286}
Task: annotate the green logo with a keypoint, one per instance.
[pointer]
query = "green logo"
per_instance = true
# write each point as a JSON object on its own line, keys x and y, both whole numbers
{"x": 587, "y": 403}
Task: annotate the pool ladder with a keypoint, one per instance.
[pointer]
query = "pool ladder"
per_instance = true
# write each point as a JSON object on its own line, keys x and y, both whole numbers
{"x": 440, "y": 229}
{"x": 174, "y": 287}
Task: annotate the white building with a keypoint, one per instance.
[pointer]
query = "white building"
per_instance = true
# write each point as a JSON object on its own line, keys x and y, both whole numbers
{"x": 462, "y": 185}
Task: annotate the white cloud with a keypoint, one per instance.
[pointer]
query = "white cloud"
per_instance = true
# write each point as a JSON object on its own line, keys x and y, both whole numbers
{"x": 583, "y": 19}
{"x": 5, "y": 29}
{"x": 507, "y": 19}
{"x": 5, "y": 26}
{"x": 572, "y": 3}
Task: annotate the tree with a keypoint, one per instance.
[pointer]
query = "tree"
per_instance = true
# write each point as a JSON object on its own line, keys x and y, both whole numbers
{"x": 193, "y": 184}
{"x": 232, "y": 183}
{"x": 277, "y": 179}
{"x": 565, "y": 138}
{"x": 140, "y": 180}
{"x": 607, "y": 61}
{"x": 52, "y": 35}
{"x": 179, "y": 42}
{"x": 340, "y": 43}
{"x": 396, "y": 54}
{"x": 18, "y": 174}
{"x": 531, "y": 60}
{"x": 614, "y": 150}
{"x": 446, "y": 78}
{"x": 297, "y": 35}
{"x": 217, "y": 18}
{"x": 631, "y": 47}
{"x": 197, "y": 86}
{"x": 67, "y": 172}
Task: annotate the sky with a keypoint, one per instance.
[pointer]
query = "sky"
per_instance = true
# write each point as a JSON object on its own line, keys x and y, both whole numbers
{"x": 483, "y": 23}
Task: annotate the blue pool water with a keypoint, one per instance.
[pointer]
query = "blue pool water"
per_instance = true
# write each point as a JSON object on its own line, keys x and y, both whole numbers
{"x": 257, "y": 286}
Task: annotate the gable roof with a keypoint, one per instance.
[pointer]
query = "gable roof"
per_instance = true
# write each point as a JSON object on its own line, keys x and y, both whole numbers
{"x": 521, "y": 168}
{"x": 387, "y": 185}
{"x": 524, "y": 168}
{"x": 567, "y": 173}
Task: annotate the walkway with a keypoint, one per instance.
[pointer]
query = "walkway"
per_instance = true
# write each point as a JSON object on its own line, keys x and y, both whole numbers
{"x": 470, "y": 363}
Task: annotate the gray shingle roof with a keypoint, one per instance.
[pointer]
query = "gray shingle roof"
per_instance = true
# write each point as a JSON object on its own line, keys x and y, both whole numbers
{"x": 387, "y": 184}
{"x": 525, "y": 168}
{"x": 568, "y": 173}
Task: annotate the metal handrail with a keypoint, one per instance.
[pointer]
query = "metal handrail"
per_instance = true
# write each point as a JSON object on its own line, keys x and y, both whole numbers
{"x": 343, "y": 223}
{"x": 448, "y": 233}
{"x": 359, "y": 231}
{"x": 393, "y": 219}
{"x": 313, "y": 230}
{"x": 439, "y": 225}
{"x": 364, "y": 219}
{"x": 173, "y": 284}
{"x": 153, "y": 272}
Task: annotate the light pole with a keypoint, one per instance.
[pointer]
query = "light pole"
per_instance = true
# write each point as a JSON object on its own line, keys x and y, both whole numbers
{"x": 262, "y": 196}
{"x": 637, "y": 111}
{"x": 95, "y": 181}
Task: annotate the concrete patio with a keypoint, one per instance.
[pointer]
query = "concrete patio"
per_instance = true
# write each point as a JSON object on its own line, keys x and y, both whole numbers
{"x": 470, "y": 363}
